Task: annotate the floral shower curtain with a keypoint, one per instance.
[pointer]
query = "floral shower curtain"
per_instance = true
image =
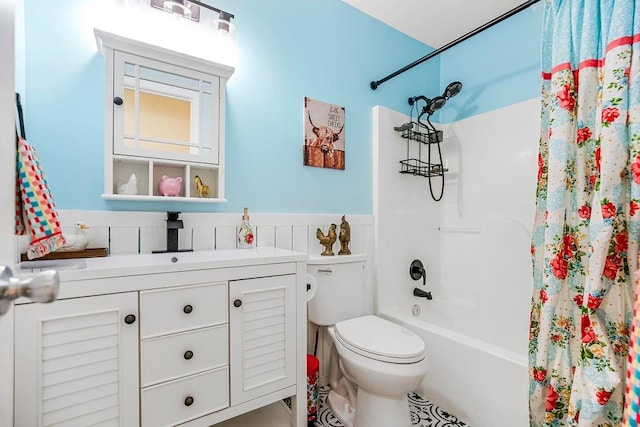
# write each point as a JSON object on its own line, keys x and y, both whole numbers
{"x": 587, "y": 225}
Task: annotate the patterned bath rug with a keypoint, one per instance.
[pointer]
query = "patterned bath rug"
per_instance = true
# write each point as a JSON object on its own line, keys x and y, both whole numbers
{"x": 423, "y": 413}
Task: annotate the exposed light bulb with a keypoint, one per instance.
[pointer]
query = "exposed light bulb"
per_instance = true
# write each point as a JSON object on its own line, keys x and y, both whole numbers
{"x": 223, "y": 23}
{"x": 178, "y": 8}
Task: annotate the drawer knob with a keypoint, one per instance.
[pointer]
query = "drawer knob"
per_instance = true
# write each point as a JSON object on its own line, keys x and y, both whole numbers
{"x": 188, "y": 354}
{"x": 129, "y": 319}
{"x": 187, "y": 308}
{"x": 188, "y": 401}
{"x": 237, "y": 303}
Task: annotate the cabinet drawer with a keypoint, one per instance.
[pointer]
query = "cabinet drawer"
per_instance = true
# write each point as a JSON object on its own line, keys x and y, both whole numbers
{"x": 167, "y": 404}
{"x": 169, "y": 357}
{"x": 178, "y": 309}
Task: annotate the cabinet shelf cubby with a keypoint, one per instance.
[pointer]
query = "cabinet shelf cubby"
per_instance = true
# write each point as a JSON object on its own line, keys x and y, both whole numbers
{"x": 148, "y": 174}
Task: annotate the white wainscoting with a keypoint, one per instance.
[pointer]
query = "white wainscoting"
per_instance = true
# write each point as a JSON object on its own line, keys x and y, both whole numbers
{"x": 143, "y": 232}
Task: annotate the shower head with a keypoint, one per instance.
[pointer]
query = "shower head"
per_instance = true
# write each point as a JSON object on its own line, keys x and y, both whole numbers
{"x": 436, "y": 103}
{"x": 452, "y": 90}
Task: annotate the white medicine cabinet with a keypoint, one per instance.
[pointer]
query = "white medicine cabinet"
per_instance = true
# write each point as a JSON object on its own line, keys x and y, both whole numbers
{"x": 164, "y": 120}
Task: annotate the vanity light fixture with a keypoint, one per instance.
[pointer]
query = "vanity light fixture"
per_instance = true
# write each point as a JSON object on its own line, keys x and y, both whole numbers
{"x": 224, "y": 22}
{"x": 190, "y": 9}
{"x": 178, "y": 8}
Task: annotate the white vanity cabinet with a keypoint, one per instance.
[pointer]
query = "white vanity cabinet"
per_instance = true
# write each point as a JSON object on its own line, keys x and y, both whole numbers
{"x": 76, "y": 362}
{"x": 262, "y": 324}
{"x": 184, "y": 363}
{"x": 190, "y": 343}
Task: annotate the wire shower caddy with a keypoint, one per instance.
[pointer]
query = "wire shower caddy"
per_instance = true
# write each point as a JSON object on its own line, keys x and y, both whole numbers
{"x": 415, "y": 165}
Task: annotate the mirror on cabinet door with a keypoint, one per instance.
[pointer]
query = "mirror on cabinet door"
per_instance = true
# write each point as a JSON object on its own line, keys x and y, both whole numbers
{"x": 162, "y": 107}
{"x": 164, "y": 114}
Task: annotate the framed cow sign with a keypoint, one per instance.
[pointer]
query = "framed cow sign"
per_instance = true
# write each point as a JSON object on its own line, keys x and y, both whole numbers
{"x": 324, "y": 142}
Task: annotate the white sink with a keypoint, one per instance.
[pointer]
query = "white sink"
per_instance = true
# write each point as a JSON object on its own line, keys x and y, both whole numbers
{"x": 54, "y": 264}
{"x": 115, "y": 265}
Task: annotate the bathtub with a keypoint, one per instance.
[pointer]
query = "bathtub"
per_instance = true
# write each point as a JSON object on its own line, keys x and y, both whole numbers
{"x": 481, "y": 383}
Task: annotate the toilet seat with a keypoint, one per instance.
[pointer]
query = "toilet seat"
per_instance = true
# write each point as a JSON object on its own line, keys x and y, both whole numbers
{"x": 380, "y": 339}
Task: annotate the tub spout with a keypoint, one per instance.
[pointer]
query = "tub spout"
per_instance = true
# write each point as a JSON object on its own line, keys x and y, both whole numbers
{"x": 422, "y": 294}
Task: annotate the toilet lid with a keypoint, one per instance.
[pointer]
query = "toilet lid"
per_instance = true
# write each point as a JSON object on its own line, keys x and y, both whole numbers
{"x": 380, "y": 339}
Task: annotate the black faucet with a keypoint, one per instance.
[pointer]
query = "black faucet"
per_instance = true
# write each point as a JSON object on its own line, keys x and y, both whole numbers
{"x": 174, "y": 223}
{"x": 417, "y": 271}
{"x": 417, "y": 292}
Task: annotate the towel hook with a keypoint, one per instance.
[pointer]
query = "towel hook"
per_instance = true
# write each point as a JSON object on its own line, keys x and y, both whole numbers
{"x": 20, "y": 117}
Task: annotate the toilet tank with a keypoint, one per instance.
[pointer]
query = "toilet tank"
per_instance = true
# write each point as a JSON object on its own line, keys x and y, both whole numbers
{"x": 340, "y": 291}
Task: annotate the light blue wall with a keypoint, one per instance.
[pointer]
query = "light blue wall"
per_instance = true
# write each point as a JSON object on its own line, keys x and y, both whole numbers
{"x": 288, "y": 49}
{"x": 498, "y": 67}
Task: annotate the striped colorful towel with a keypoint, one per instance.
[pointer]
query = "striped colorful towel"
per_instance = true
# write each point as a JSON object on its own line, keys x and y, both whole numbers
{"x": 35, "y": 211}
{"x": 632, "y": 390}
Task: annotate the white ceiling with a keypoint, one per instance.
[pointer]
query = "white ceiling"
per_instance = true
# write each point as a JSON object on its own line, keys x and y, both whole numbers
{"x": 435, "y": 22}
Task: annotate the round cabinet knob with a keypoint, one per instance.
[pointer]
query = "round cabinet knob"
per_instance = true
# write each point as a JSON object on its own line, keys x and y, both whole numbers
{"x": 129, "y": 319}
{"x": 187, "y": 308}
{"x": 117, "y": 100}
{"x": 188, "y": 401}
{"x": 188, "y": 354}
{"x": 237, "y": 303}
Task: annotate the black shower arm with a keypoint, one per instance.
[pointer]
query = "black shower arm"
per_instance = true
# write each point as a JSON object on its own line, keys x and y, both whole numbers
{"x": 374, "y": 84}
{"x": 413, "y": 99}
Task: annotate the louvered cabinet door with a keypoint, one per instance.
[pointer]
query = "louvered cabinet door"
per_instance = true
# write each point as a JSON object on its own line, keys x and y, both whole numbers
{"x": 262, "y": 325}
{"x": 76, "y": 362}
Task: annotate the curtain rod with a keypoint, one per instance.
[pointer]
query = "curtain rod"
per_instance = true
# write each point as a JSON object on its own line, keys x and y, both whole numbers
{"x": 374, "y": 84}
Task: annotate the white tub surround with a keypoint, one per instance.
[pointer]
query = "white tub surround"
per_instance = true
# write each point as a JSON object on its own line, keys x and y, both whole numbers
{"x": 467, "y": 376}
{"x": 475, "y": 247}
{"x": 165, "y": 339}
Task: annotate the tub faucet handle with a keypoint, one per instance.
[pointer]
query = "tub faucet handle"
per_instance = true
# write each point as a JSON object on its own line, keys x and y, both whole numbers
{"x": 417, "y": 271}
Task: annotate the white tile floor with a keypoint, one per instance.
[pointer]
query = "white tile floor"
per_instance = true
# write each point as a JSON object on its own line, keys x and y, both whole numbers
{"x": 423, "y": 414}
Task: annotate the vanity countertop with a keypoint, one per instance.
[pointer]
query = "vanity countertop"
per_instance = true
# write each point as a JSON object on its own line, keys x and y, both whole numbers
{"x": 127, "y": 265}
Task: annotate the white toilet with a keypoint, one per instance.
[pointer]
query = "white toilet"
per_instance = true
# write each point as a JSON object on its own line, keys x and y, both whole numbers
{"x": 374, "y": 363}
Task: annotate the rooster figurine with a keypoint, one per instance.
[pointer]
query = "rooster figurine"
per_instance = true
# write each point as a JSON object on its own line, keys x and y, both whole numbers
{"x": 328, "y": 240}
{"x": 344, "y": 236}
{"x": 76, "y": 242}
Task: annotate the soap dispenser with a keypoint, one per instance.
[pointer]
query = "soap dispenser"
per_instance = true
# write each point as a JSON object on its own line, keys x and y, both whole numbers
{"x": 245, "y": 234}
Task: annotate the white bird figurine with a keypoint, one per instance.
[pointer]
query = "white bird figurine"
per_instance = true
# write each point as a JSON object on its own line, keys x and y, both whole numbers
{"x": 130, "y": 187}
{"x": 76, "y": 242}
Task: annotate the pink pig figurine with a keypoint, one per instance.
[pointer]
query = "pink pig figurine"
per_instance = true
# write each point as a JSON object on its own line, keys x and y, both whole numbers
{"x": 170, "y": 186}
